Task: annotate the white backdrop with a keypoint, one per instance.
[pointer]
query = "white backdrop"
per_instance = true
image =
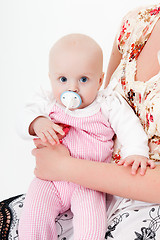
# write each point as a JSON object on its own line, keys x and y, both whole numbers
{"x": 28, "y": 29}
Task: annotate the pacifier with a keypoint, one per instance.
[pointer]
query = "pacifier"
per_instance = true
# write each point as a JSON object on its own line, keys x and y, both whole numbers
{"x": 70, "y": 100}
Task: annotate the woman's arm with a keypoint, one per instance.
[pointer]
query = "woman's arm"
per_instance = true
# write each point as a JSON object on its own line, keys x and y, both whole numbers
{"x": 55, "y": 163}
{"x": 114, "y": 61}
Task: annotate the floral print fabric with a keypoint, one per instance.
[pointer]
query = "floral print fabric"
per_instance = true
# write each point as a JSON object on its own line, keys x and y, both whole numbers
{"x": 144, "y": 97}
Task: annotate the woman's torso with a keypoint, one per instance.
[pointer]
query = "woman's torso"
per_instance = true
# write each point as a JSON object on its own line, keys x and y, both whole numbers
{"x": 148, "y": 56}
{"x": 139, "y": 43}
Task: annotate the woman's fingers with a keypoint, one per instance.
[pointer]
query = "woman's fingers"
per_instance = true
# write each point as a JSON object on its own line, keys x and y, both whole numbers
{"x": 34, "y": 151}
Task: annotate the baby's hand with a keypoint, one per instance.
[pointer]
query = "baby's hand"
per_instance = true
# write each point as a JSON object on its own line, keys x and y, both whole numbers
{"x": 137, "y": 161}
{"x": 46, "y": 130}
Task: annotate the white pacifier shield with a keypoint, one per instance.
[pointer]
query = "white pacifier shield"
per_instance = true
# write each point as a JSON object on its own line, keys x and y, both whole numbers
{"x": 71, "y": 99}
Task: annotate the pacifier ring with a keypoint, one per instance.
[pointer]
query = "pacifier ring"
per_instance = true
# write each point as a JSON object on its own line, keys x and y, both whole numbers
{"x": 70, "y": 99}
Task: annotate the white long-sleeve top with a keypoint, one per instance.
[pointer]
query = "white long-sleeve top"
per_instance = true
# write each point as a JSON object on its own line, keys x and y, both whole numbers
{"x": 109, "y": 111}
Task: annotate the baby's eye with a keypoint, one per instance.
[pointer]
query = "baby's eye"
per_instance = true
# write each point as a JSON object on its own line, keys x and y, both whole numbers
{"x": 83, "y": 79}
{"x": 63, "y": 79}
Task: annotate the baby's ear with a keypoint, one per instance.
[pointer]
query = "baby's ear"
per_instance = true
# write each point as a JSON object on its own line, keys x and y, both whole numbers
{"x": 101, "y": 80}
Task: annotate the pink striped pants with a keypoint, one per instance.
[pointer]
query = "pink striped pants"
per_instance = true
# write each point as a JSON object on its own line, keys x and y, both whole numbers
{"x": 46, "y": 199}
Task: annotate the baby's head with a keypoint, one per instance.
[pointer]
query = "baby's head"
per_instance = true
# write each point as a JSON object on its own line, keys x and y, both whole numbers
{"x": 76, "y": 64}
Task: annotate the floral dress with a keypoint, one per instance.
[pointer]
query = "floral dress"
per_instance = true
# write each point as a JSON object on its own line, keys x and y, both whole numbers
{"x": 144, "y": 97}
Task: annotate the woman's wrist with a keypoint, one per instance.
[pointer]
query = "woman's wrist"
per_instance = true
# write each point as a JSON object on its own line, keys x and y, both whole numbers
{"x": 78, "y": 171}
{"x": 67, "y": 168}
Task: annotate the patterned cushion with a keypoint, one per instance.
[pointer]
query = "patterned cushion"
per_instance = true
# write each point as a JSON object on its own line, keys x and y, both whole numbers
{"x": 10, "y": 210}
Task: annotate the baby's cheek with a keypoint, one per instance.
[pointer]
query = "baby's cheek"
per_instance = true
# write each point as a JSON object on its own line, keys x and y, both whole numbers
{"x": 90, "y": 96}
{"x": 57, "y": 96}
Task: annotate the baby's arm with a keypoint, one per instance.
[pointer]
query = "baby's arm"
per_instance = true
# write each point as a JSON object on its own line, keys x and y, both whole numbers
{"x": 33, "y": 119}
{"x": 137, "y": 161}
{"x": 46, "y": 130}
{"x": 131, "y": 135}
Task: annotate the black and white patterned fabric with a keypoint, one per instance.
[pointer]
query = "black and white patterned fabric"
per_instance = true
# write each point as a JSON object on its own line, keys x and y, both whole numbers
{"x": 10, "y": 212}
{"x": 130, "y": 220}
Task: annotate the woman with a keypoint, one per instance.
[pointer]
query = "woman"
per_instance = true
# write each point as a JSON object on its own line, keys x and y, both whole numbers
{"x": 134, "y": 62}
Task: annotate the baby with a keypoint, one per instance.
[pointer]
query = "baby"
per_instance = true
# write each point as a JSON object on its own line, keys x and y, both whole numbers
{"x": 93, "y": 117}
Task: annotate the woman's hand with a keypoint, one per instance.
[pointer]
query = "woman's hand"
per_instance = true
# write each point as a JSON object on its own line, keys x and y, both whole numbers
{"x": 51, "y": 161}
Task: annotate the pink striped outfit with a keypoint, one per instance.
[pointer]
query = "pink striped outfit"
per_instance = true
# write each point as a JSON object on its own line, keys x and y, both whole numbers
{"x": 90, "y": 137}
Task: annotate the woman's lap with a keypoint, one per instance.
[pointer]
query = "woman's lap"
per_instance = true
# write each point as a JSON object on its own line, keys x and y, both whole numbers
{"x": 133, "y": 220}
{"x": 128, "y": 220}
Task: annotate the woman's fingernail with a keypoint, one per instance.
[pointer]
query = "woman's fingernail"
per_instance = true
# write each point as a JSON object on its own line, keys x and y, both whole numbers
{"x": 60, "y": 141}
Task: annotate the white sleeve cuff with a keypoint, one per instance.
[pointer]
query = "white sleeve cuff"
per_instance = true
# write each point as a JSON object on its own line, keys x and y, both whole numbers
{"x": 143, "y": 151}
{"x": 24, "y": 121}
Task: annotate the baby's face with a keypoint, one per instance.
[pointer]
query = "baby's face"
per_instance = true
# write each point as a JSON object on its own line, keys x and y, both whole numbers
{"x": 76, "y": 70}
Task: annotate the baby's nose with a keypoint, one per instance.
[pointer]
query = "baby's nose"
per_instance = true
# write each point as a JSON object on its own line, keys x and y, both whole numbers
{"x": 73, "y": 87}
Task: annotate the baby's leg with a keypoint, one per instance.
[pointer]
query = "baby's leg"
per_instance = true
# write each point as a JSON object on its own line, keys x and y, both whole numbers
{"x": 89, "y": 209}
{"x": 41, "y": 207}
